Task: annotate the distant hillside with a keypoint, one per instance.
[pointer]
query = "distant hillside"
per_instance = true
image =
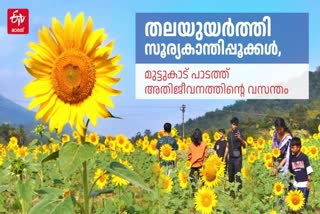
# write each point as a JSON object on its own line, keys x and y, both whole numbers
{"x": 13, "y": 113}
{"x": 16, "y": 115}
{"x": 256, "y": 115}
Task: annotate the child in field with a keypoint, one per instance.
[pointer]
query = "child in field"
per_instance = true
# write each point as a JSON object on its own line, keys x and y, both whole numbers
{"x": 197, "y": 153}
{"x": 300, "y": 167}
{"x": 220, "y": 147}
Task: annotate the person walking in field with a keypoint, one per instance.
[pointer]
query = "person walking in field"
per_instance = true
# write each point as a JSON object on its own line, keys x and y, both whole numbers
{"x": 281, "y": 139}
{"x": 301, "y": 169}
{"x": 167, "y": 140}
{"x": 197, "y": 153}
{"x": 233, "y": 151}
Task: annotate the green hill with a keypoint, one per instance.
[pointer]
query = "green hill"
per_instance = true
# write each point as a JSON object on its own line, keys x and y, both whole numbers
{"x": 260, "y": 114}
{"x": 13, "y": 113}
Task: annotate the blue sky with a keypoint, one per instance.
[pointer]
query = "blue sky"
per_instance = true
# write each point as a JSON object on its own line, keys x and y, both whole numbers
{"x": 118, "y": 20}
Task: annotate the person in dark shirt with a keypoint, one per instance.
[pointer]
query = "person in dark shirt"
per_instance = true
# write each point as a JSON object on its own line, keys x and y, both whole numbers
{"x": 220, "y": 146}
{"x": 167, "y": 139}
{"x": 299, "y": 166}
{"x": 234, "y": 152}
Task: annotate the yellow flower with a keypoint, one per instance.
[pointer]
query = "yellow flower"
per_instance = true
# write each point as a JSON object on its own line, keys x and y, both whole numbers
{"x": 65, "y": 138}
{"x": 94, "y": 138}
{"x": 116, "y": 180}
{"x": 206, "y": 137}
{"x": 54, "y": 147}
{"x": 75, "y": 134}
{"x": 216, "y": 161}
{"x": 209, "y": 175}
{"x": 271, "y": 132}
{"x": 205, "y": 200}
{"x": 121, "y": 139}
{"x": 66, "y": 193}
{"x": 114, "y": 155}
{"x": 276, "y": 152}
{"x": 216, "y": 136}
{"x": 152, "y": 147}
{"x": 165, "y": 152}
{"x": 100, "y": 177}
{"x": 156, "y": 169}
{"x": 127, "y": 147}
{"x": 101, "y": 148}
{"x": 187, "y": 165}
{"x": 267, "y": 156}
{"x": 295, "y": 200}
{"x": 73, "y": 75}
{"x": 278, "y": 188}
{"x": 173, "y": 155}
{"x": 245, "y": 172}
{"x": 173, "y": 132}
{"x": 260, "y": 143}
{"x": 313, "y": 152}
{"x": 112, "y": 145}
{"x": 273, "y": 211}
{"x": 250, "y": 140}
{"x": 160, "y": 133}
{"x": 165, "y": 183}
{"x": 21, "y": 151}
{"x": 251, "y": 158}
{"x": 268, "y": 164}
{"x": 183, "y": 179}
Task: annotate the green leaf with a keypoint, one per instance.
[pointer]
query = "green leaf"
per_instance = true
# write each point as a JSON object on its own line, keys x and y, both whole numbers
{"x": 24, "y": 191}
{"x": 99, "y": 192}
{"x": 53, "y": 205}
{"x": 122, "y": 171}
{"x": 3, "y": 188}
{"x": 49, "y": 191}
{"x": 33, "y": 143}
{"x": 72, "y": 155}
{"x": 52, "y": 156}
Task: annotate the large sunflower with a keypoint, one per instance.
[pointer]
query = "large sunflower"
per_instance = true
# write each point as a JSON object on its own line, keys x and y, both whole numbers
{"x": 295, "y": 199}
{"x": 205, "y": 200}
{"x": 210, "y": 175}
{"x": 73, "y": 74}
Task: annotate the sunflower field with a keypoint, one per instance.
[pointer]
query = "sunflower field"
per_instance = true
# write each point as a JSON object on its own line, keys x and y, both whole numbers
{"x": 125, "y": 177}
{"x": 86, "y": 173}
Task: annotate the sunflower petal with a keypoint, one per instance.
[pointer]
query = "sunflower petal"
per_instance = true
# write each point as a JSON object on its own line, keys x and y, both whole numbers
{"x": 58, "y": 33}
{"x": 111, "y": 71}
{"x": 47, "y": 41}
{"x": 42, "y": 51}
{"x": 94, "y": 40}
{"x": 68, "y": 32}
{"x": 45, "y": 107}
{"x": 37, "y": 87}
{"x": 77, "y": 29}
{"x": 86, "y": 32}
{"x": 40, "y": 99}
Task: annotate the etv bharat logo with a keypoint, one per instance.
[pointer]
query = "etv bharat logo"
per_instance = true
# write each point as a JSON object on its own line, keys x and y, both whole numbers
{"x": 18, "y": 21}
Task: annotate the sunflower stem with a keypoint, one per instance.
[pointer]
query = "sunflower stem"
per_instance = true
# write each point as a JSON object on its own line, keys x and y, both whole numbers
{"x": 85, "y": 188}
{"x": 86, "y": 195}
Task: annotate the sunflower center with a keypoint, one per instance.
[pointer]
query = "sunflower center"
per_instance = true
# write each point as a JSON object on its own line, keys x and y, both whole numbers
{"x": 166, "y": 152}
{"x": 210, "y": 174}
{"x": 295, "y": 199}
{"x": 278, "y": 188}
{"x": 206, "y": 200}
{"x": 73, "y": 76}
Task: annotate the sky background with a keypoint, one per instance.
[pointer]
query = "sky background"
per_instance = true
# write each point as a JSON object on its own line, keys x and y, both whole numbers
{"x": 117, "y": 17}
